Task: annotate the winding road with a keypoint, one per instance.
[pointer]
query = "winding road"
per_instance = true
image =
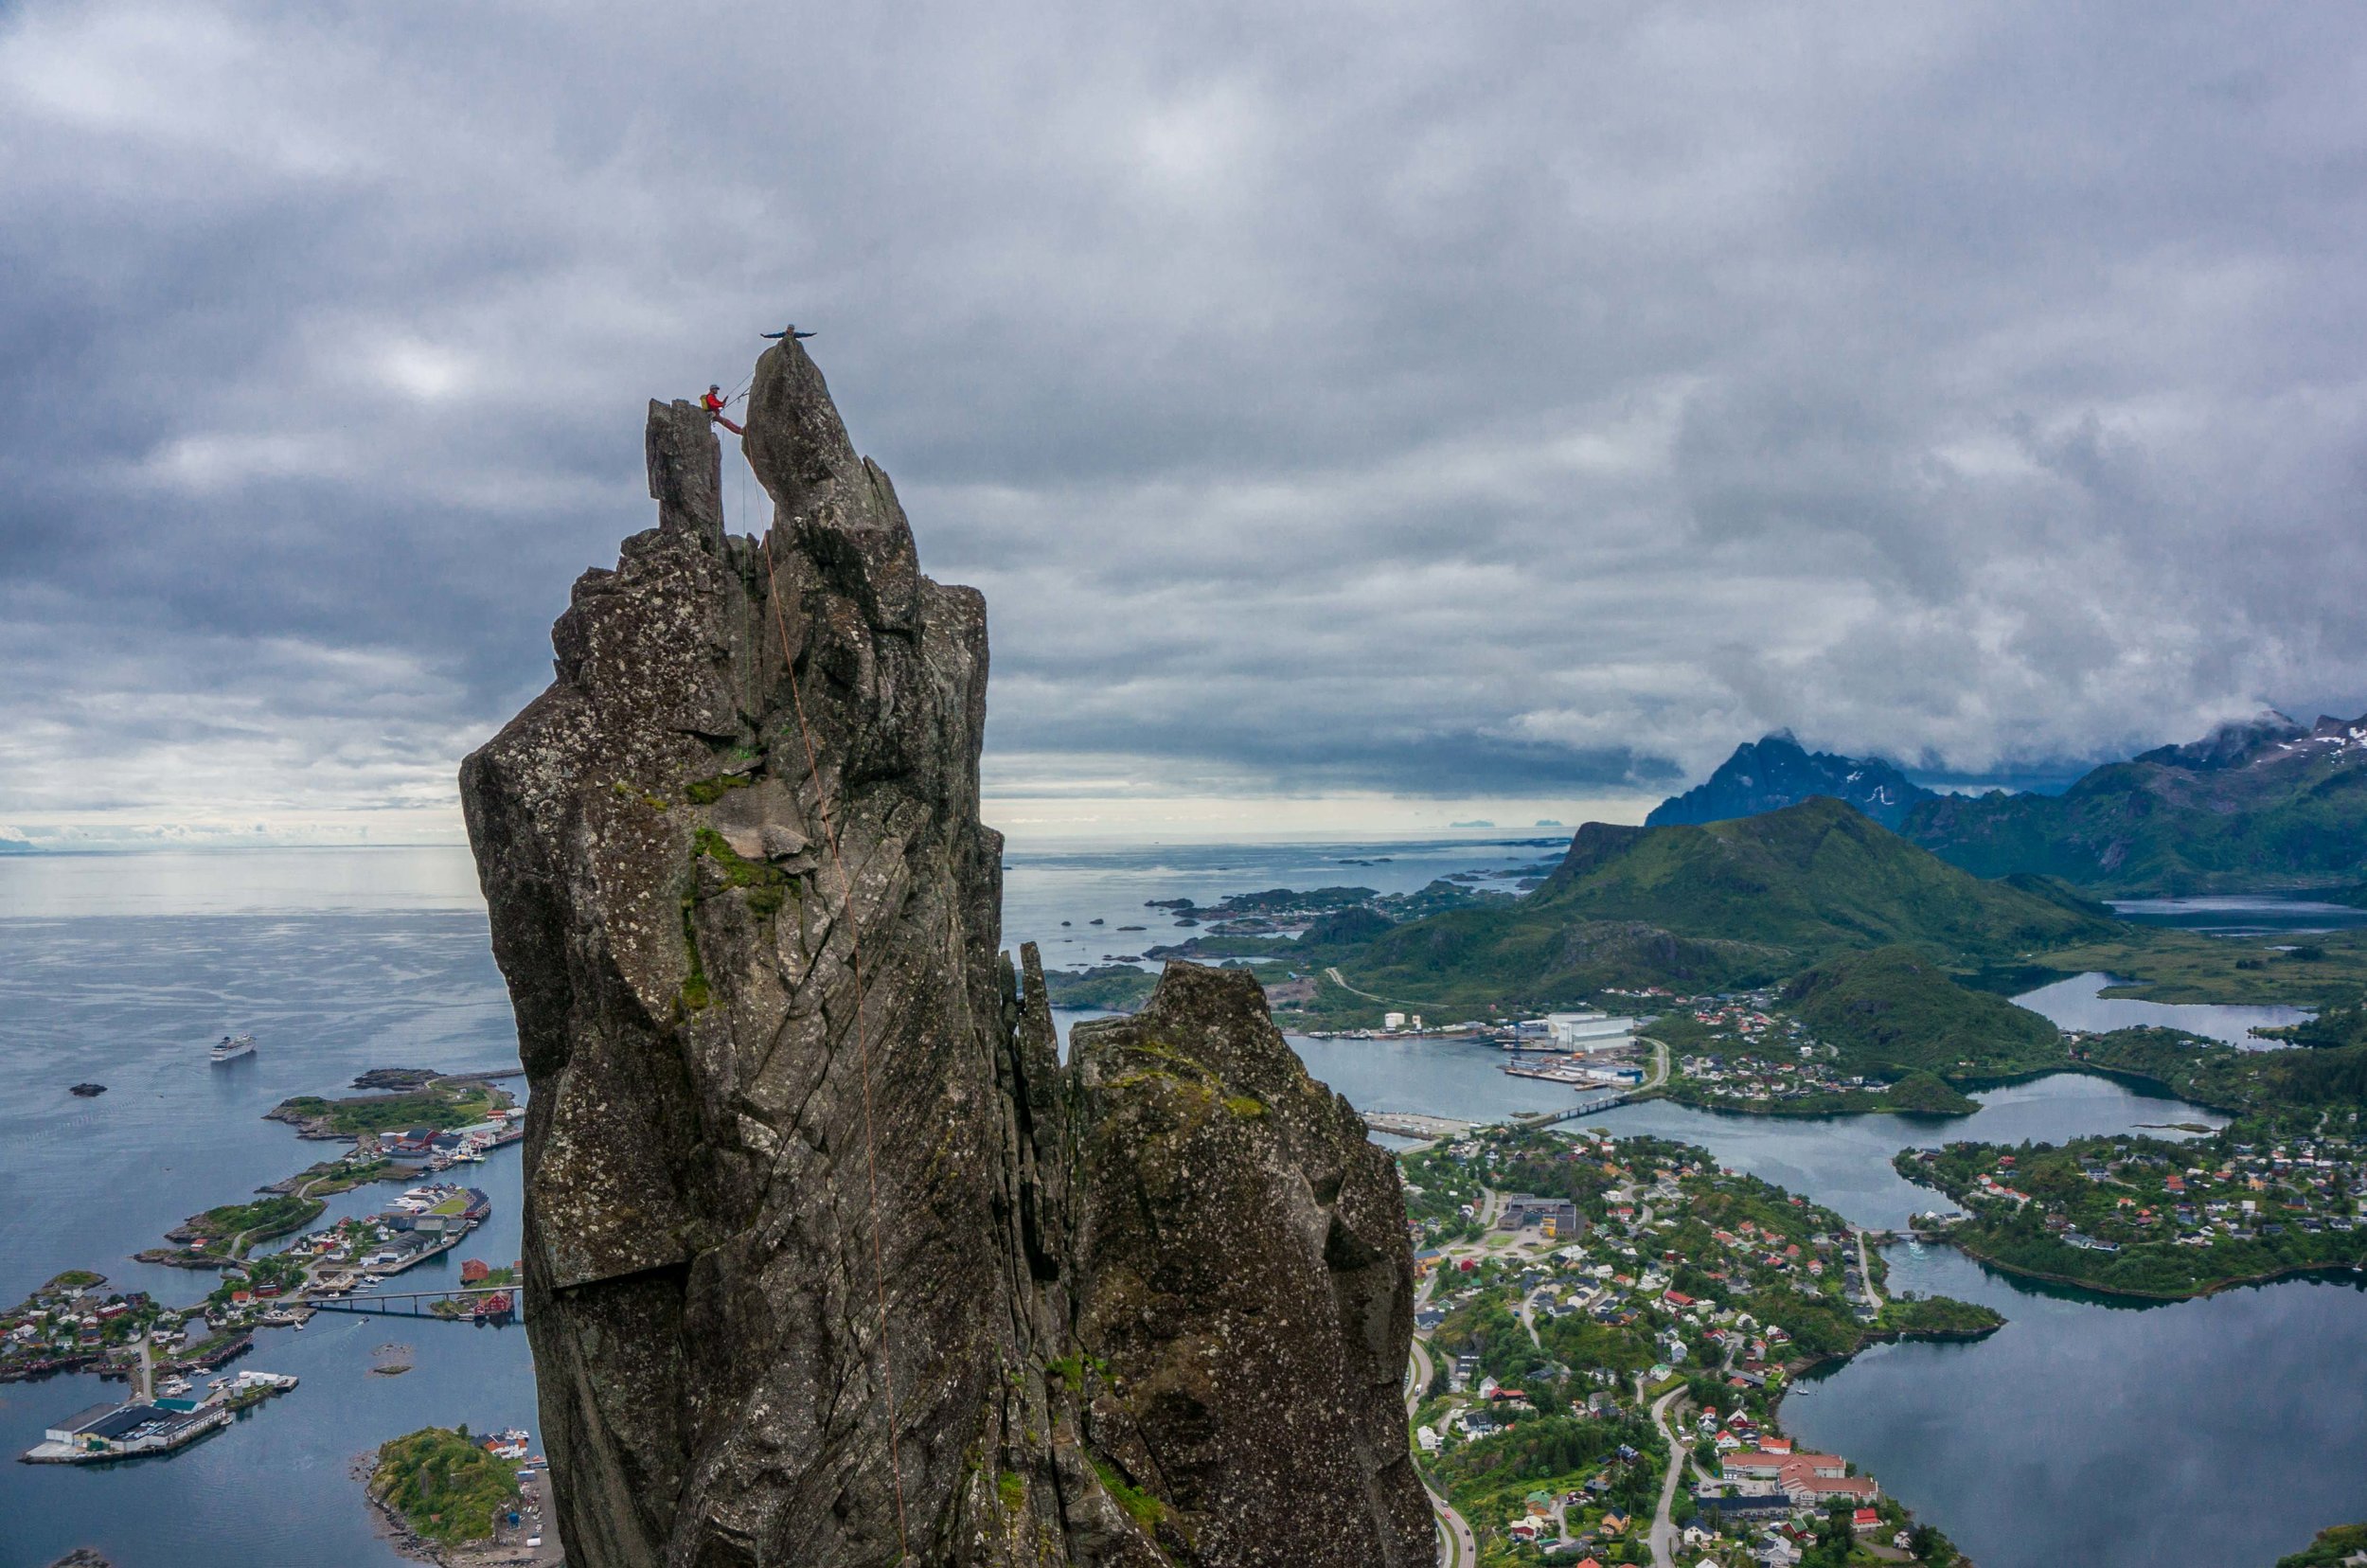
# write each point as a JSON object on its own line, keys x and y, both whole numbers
{"x": 1338, "y": 979}
{"x": 1663, "y": 1527}
{"x": 1865, "y": 1271}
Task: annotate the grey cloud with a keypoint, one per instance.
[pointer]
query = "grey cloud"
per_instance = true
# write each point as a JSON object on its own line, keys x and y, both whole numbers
{"x": 1329, "y": 399}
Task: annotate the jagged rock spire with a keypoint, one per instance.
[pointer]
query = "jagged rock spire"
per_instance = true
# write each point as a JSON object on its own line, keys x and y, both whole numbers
{"x": 813, "y": 1210}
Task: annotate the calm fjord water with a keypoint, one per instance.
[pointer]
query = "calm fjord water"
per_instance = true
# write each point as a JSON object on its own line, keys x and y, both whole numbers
{"x": 2213, "y": 1433}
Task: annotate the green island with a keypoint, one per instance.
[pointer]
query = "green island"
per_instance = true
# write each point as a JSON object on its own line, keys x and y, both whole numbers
{"x": 441, "y": 1106}
{"x": 1107, "y": 987}
{"x": 335, "y": 1176}
{"x": 1596, "y": 1309}
{"x": 438, "y": 1484}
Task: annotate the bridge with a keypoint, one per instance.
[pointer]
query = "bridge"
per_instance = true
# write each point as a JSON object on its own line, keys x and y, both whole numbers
{"x": 1584, "y": 1108}
{"x": 416, "y": 1303}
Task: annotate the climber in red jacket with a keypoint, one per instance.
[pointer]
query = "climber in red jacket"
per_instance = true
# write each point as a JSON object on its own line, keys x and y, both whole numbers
{"x": 715, "y": 403}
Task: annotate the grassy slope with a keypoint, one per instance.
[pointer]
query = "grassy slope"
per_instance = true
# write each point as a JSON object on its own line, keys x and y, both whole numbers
{"x": 1733, "y": 903}
{"x": 1894, "y": 1009}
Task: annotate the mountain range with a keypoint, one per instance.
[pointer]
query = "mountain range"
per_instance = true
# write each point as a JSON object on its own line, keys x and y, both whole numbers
{"x": 2265, "y": 804}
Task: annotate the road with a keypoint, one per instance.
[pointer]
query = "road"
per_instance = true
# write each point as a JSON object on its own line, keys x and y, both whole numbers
{"x": 1865, "y": 1271}
{"x": 1663, "y": 1527}
{"x": 1338, "y": 979}
{"x": 1418, "y": 1373}
{"x": 1660, "y": 1066}
{"x": 1457, "y": 1547}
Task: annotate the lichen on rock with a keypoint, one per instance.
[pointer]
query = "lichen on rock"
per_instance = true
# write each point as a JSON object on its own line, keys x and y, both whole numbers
{"x": 826, "y": 1252}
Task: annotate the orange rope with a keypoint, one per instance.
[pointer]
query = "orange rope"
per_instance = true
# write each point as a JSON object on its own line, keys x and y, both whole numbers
{"x": 863, "y": 1042}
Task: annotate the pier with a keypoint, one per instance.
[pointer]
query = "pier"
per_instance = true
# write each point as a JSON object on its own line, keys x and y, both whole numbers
{"x": 1408, "y": 1124}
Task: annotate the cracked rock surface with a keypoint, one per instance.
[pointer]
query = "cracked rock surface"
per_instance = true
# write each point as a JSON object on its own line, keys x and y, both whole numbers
{"x": 829, "y": 1258}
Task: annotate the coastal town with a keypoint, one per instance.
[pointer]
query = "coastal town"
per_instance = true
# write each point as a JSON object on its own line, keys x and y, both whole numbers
{"x": 74, "y": 1322}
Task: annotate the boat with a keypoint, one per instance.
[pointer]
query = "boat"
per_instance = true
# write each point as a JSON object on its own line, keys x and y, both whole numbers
{"x": 232, "y": 1048}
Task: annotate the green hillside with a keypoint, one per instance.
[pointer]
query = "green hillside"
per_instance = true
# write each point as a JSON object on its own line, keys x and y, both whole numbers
{"x": 1894, "y": 1010}
{"x": 1719, "y": 906}
{"x": 1816, "y": 876}
{"x": 1529, "y": 957}
{"x": 2285, "y": 812}
{"x": 2303, "y": 1080}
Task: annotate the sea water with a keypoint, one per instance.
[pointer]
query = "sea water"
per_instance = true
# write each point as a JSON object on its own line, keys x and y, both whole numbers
{"x": 2216, "y": 1432}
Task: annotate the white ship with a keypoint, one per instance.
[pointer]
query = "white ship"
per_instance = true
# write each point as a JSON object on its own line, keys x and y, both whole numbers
{"x": 233, "y": 1047}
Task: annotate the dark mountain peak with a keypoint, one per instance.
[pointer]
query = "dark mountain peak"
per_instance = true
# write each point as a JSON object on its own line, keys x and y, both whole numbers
{"x": 1776, "y": 771}
{"x": 2230, "y": 745}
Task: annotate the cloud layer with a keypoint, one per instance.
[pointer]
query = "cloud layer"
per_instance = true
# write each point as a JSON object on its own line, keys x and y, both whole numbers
{"x": 1456, "y": 403}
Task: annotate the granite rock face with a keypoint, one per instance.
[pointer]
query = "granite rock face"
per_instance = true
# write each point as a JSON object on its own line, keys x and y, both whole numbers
{"x": 1242, "y": 1275}
{"x": 829, "y": 1259}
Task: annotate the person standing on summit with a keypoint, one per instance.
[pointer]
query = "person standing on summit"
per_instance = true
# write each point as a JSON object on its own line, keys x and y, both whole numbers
{"x": 715, "y": 403}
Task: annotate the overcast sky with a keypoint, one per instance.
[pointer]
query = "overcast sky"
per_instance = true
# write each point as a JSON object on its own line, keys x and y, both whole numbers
{"x": 1353, "y": 415}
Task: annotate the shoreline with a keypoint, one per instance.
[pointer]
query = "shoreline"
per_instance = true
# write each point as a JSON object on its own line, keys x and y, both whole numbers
{"x": 2159, "y": 1297}
{"x": 2153, "y": 1088}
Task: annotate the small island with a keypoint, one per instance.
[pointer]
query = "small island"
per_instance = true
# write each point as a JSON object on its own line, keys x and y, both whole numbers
{"x": 442, "y": 1105}
{"x": 449, "y": 1498}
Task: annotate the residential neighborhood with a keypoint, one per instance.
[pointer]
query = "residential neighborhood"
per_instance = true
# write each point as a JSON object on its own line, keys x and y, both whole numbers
{"x": 2151, "y": 1216}
{"x": 1605, "y": 1329}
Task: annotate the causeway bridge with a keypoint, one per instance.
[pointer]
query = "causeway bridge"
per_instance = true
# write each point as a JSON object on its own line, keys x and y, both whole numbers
{"x": 420, "y": 1303}
{"x": 1584, "y": 1108}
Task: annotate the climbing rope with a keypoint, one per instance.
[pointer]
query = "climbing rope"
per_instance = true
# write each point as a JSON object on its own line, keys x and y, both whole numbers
{"x": 862, "y": 1040}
